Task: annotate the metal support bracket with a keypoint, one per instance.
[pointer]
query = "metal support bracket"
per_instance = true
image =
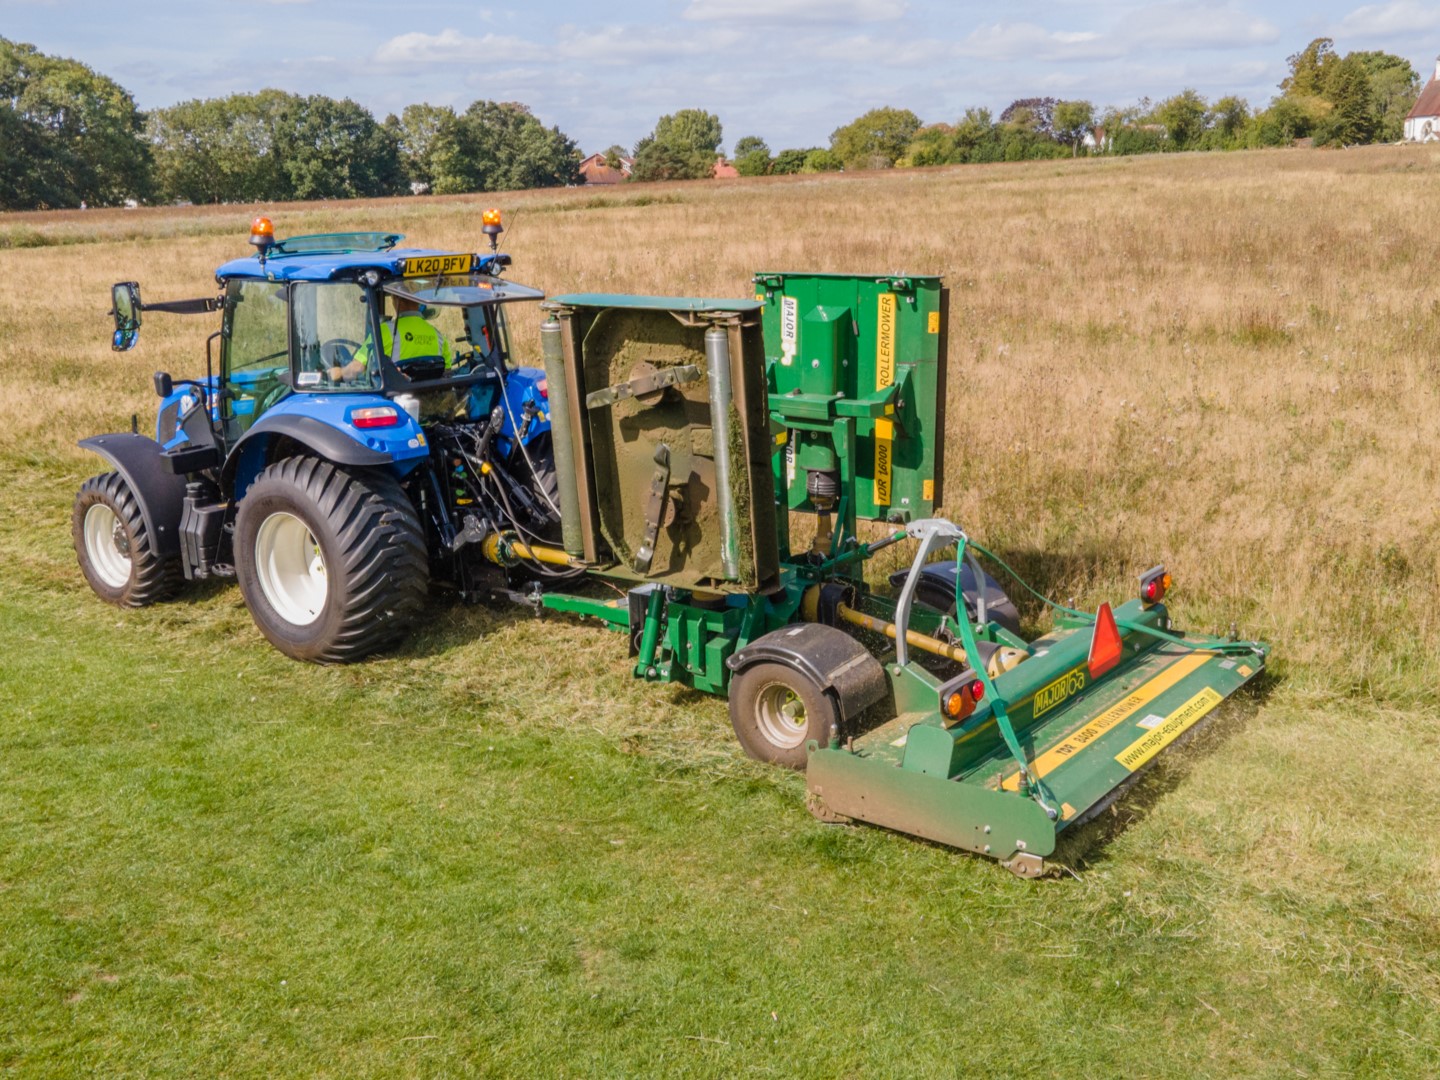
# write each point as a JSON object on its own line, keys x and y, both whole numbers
{"x": 654, "y": 509}
{"x": 933, "y": 534}
{"x": 646, "y": 384}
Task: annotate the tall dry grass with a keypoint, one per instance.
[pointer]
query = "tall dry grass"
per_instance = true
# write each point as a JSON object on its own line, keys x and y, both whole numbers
{"x": 1228, "y": 362}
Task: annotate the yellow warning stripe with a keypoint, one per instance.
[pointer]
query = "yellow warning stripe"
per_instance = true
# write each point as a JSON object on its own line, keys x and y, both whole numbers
{"x": 1131, "y": 703}
{"x": 1168, "y": 730}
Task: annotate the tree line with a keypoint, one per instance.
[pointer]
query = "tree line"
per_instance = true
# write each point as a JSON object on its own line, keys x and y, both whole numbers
{"x": 70, "y": 136}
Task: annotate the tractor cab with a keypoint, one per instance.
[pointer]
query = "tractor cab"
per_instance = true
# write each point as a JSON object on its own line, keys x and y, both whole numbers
{"x": 340, "y": 313}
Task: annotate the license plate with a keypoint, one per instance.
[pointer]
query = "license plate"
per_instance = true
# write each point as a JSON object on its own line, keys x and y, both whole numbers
{"x": 435, "y": 265}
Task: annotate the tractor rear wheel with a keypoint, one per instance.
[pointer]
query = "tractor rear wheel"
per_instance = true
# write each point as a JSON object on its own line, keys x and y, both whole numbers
{"x": 114, "y": 548}
{"x": 775, "y": 710}
{"x": 332, "y": 564}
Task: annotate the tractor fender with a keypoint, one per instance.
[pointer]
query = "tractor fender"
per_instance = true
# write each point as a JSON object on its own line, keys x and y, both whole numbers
{"x": 834, "y": 660}
{"x": 328, "y": 443}
{"x": 160, "y": 493}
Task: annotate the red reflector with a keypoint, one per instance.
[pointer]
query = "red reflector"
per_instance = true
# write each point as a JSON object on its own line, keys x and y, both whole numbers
{"x": 1105, "y": 646}
{"x": 375, "y": 418}
{"x": 977, "y": 690}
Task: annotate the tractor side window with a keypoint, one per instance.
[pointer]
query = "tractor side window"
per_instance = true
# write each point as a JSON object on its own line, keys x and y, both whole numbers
{"x": 485, "y": 328}
{"x": 330, "y": 330}
{"x": 254, "y": 354}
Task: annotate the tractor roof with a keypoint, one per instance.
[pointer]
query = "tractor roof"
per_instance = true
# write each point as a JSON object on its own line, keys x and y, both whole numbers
{"x": 323, "y": 266}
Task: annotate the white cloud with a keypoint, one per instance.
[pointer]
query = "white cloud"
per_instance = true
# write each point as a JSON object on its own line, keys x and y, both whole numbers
{"x": 1202, "y": 26}
{"x": 1400, "y": 17}
{"x": 1026, "y": 41}
{"x": 795, "y": 11}
{"x": 451, "y": 45}
{"x": 634, "y": 45}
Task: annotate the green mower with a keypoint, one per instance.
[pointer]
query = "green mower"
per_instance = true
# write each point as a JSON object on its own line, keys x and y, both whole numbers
{"x": 689, "y": 433}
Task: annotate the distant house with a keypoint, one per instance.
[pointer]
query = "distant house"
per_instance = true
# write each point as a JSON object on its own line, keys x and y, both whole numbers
{"x": 1096, "y": 140}
{"x": 1423, "y": 122}
{"x": 724, "y": 170}
{"x": 596, "y": 171}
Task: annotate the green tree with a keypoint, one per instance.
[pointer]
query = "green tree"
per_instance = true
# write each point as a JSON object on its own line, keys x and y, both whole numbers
{"x": 335, "y": 150}
{"x": 789, "y": 162}
{"x": 755, "y": 163}
{"x": 615, "y": 155}
{"x": 683, "y": 146}
{"x": 1394, "y": 86}
{"x": 1229, "y": 118}
{"x": 750, "y": 144}
{"x": 1310, "y": 69}
{"x": 70, "y": 134}
{"x": 1072, "y": 120}
{"x": 818, "y": 161}
{"x": 933, "y": 144}
{"x": 223, "y": 148}
{"x": 1352, "y": 120}
{"x": 875, "y": 140}
{"x": 1183, "y": 117}
{"x": 421, "y": 132}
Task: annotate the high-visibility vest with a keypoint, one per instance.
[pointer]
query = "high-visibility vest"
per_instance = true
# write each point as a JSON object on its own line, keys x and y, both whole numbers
{"x": 419, "y": 340}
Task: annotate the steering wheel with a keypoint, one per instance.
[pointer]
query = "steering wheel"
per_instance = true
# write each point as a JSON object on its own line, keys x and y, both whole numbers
{"x": 337, "y": 352}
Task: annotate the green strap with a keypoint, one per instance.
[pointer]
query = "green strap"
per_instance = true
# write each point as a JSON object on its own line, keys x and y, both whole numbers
{"x": 997, "y": 703}
{"x": 1210, "y": 645}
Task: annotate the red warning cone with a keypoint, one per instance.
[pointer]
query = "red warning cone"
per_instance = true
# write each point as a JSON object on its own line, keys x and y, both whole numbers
{"x": 1105, "y": 646}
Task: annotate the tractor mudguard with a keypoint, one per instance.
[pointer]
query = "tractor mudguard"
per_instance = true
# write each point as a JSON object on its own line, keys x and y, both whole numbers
{"x": 937, "y": 589}
{"x": 833, "y": 659}
{"x": 325, "y": 442}
{"x": 160, "y": 493}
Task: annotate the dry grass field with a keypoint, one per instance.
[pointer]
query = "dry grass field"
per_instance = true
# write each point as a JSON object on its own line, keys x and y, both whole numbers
{"x": 493, "y": 852}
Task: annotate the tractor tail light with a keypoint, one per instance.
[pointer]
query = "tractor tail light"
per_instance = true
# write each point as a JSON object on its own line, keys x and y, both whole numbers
{"x": 379, "y": 417}
{"x": 543, "y": 387}
{"x": 1154, "y": 584}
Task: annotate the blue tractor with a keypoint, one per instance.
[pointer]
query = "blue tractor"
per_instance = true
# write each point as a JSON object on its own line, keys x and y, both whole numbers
{"x": 362, "y": 434}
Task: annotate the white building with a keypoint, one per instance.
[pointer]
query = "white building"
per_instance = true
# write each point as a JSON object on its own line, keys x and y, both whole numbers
{"x": 1423, "y": 122}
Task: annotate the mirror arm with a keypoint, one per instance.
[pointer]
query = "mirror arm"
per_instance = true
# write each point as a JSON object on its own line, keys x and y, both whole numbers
{"x": 186, "y": 307}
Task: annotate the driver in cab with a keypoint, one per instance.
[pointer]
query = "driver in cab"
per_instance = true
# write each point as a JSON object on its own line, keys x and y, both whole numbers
{"x": 419, "y": 340}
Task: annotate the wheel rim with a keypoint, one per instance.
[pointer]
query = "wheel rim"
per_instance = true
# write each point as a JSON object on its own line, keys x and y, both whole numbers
{"x": 780, "y": 716}
{"x": 108, "y": 545}
{"x": 291, "y": 568}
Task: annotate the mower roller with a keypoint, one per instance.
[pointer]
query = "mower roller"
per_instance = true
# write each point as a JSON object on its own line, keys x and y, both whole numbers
{"x": 691, "y": 432}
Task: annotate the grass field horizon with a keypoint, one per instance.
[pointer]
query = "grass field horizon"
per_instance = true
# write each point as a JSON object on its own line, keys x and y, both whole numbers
{"x": 493, "y": 852}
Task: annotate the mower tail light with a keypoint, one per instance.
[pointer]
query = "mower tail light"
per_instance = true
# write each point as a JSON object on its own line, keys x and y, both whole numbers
{"x": 379, "y": 417}
{"x": 1154, "y": 584}
{"x": 960, "y": 698}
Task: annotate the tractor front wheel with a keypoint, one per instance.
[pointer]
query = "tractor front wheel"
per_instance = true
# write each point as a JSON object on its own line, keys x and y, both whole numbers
{"x": 776, "y": 710}
{"x": 332, "y": 564}
{"x": 114, "y": 548}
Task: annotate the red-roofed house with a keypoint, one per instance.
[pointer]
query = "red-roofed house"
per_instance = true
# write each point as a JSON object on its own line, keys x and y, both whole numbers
{"x": 724, "y": 170}
{"x": 595, "y": 171}
{"x": 1423, "y": 123}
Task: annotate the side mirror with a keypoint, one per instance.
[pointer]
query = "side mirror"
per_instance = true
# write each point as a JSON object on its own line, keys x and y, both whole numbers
{"x": 125, "y": 307}
{"x": 164, "y": 385}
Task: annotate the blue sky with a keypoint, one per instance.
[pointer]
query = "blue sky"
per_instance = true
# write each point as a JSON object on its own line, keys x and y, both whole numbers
{"x": 790, "y": 71}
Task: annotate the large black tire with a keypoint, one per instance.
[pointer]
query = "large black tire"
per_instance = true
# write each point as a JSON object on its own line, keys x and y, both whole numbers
{"x": 340, "y": 571}
{"x": 775, "y": 710}
{"x": 114, "y": 548}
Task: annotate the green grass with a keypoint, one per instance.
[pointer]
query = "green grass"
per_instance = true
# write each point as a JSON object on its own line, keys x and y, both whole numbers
{"x": 216, "y": 861}
{"x": 495, "y": 853}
